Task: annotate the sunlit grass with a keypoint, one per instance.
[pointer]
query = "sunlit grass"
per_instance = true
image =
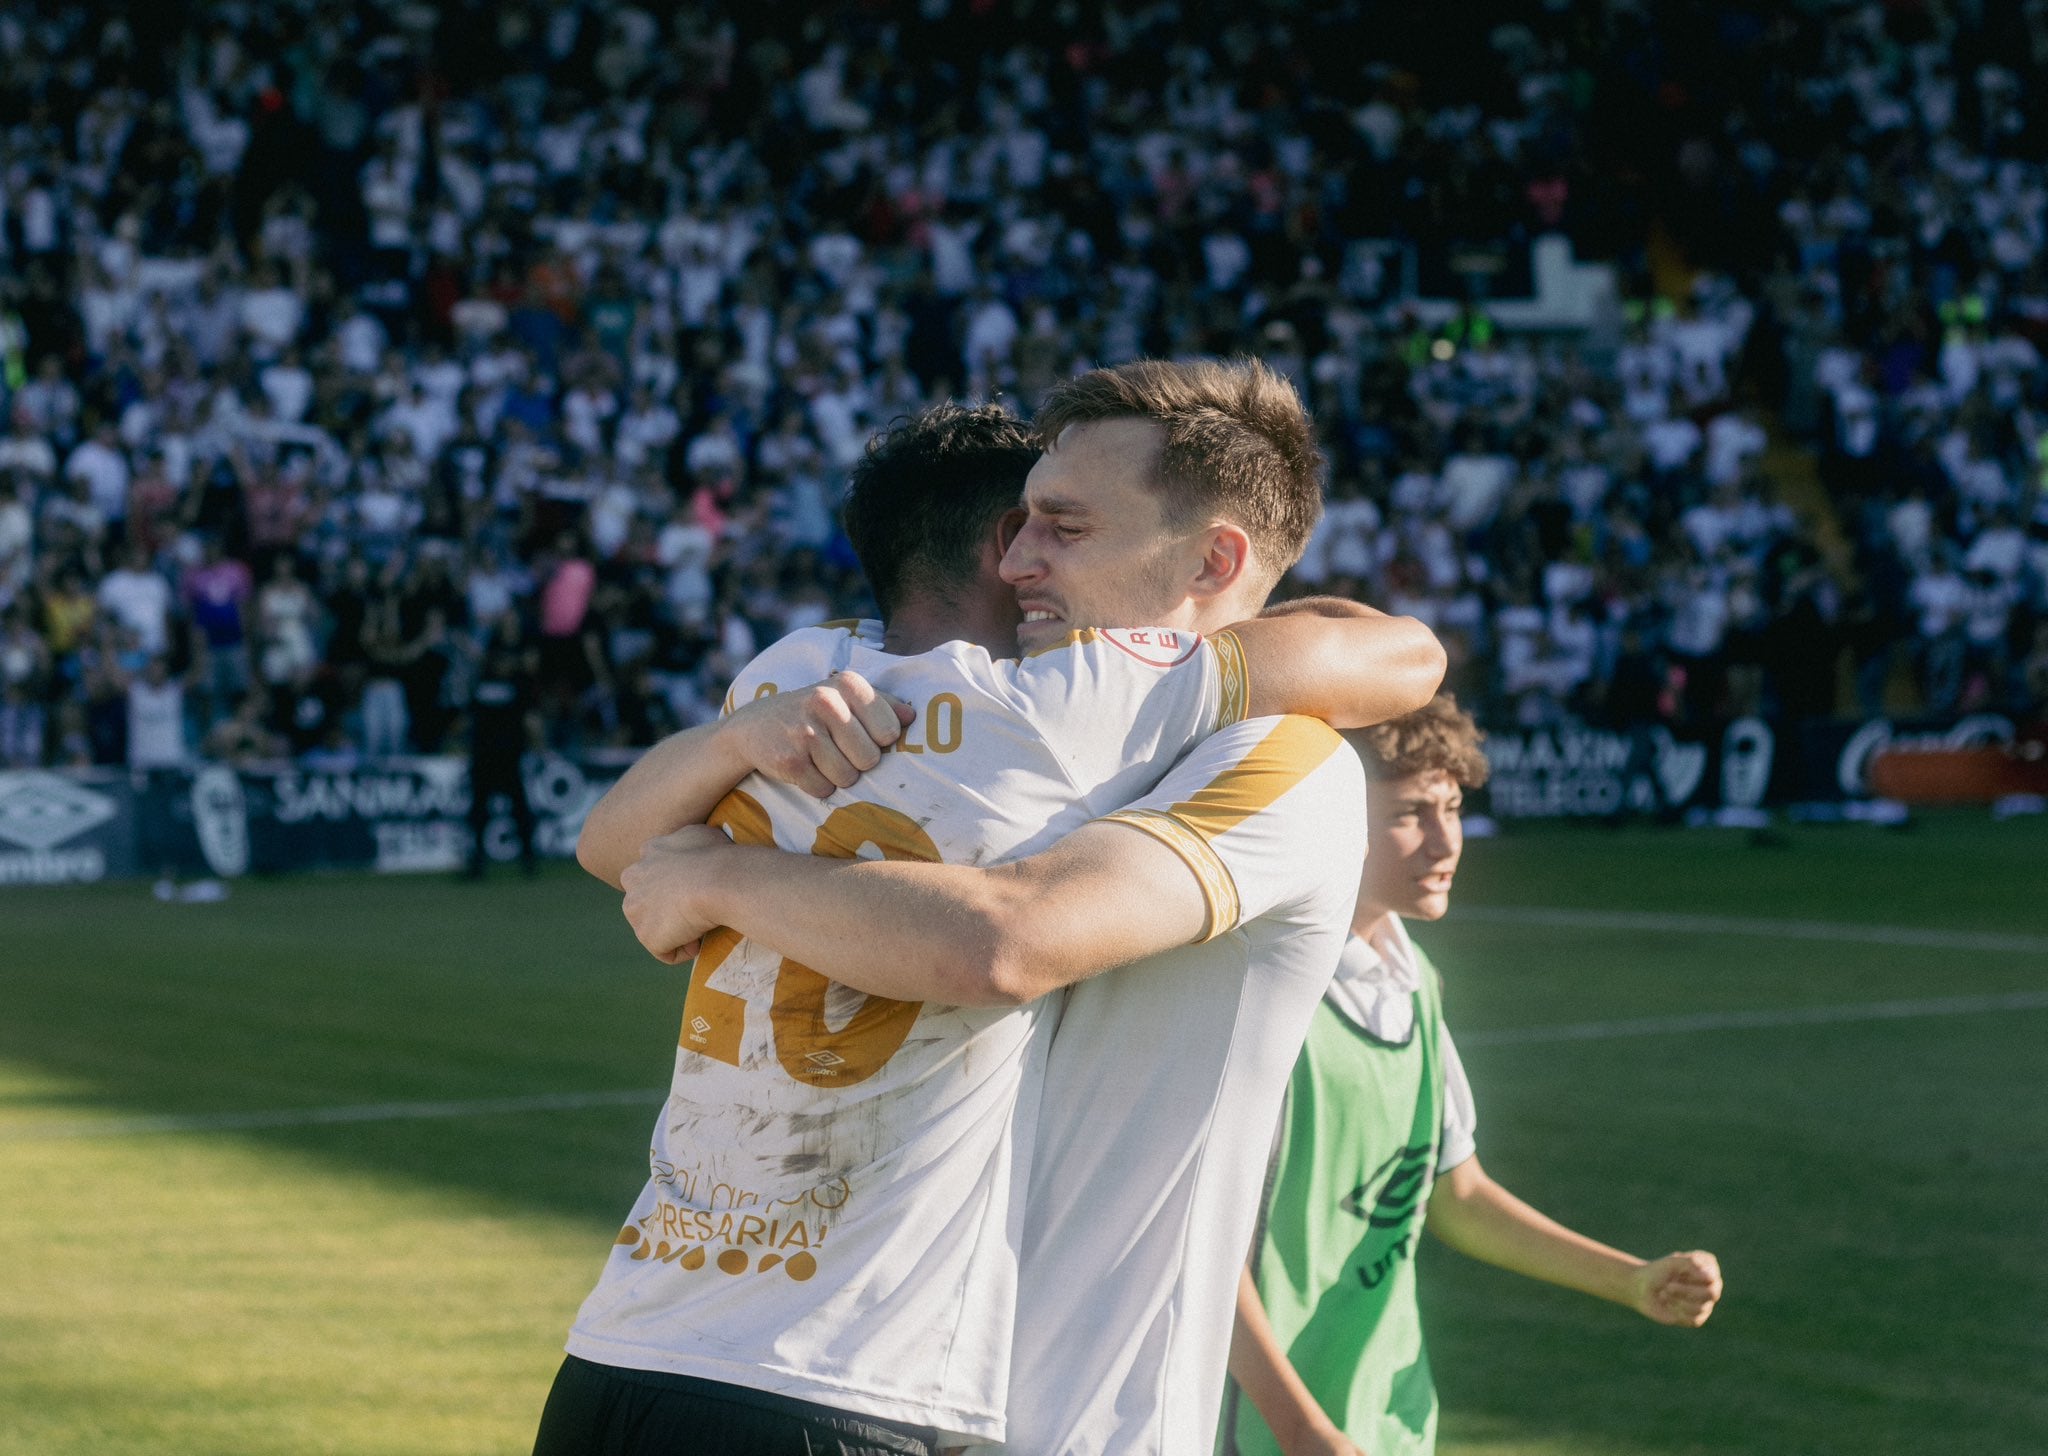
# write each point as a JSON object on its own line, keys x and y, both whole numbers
{"x": 403, "y": 1287}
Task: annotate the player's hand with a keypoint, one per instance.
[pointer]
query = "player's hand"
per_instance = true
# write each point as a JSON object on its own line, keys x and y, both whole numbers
{"x": 1679, "y": 1289}
{"x": 657, "y": 904}
{"x": 819, "y": 738}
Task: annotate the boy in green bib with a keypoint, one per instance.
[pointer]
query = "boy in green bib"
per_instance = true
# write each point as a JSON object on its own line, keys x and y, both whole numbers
{"x": 1377, "y": 1140}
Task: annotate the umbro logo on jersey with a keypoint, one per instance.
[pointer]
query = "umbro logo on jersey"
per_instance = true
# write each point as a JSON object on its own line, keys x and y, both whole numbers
{"x": 823, "y": 1058}
{"x": 1393, "y": 1189}
{"x": 1389, "y": 1202}
{"x": 699, "y": 1025}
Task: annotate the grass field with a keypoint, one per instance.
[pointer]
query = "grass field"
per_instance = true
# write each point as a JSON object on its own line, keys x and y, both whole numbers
{"x": 281, "y": 1175}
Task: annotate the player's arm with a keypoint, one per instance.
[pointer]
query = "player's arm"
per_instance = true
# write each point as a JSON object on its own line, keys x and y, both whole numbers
{"x": 818, "y": 739}
{"x": 1322, "y": 657}
{"x": 959, "y": 934}
{"x": 1215, "y": 844}
{"x": 1337, "y": 660}
{"x": 1261, "y": 1368}
{"x": 1478, "y": 1217}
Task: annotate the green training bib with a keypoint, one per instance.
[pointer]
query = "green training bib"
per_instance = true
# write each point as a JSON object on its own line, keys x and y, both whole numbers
{"x": 1336, "y": 1267}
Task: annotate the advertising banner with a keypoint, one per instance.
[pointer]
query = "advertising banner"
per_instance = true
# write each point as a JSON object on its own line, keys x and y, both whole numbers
{"x": 1748, "y": 765}
{"x": 1595, "y": 773}
{"x": 1836, "y": 754}
{"x": 66, "y": 829}
{"x": 412, "y": 814}
{"x": 392, "y": 815}
{"x": 395, "y": 815}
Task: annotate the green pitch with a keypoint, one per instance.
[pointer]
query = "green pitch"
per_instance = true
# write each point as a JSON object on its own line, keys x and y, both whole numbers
{"x": 327, "y": 1168}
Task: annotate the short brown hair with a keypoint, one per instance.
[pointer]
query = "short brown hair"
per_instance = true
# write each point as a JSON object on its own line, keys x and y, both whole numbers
{"x": 1238, "y": 444}
{"x": 1438, "y": 735}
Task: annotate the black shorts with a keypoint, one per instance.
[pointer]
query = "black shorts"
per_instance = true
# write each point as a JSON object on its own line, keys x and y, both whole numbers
{"x": 602, "y": 1410}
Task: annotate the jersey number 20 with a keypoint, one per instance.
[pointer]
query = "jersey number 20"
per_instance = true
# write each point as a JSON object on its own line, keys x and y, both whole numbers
{"x": 808, "y": 1049}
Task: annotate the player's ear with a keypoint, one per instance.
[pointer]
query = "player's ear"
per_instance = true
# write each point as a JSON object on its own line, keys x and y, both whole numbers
{"x": 1226, "y": 558}
{"x": 1007, "y": 526}
{"x": 994, "y": 547}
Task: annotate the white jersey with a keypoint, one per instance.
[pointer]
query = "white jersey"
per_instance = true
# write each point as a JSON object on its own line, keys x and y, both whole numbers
{"x": 1161, "y": 1094}
{"x": 836, "y": 1199}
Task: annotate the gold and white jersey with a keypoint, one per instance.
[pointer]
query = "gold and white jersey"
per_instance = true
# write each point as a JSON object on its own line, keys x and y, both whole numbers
{"x": 836, "y": 1196}
{"x": 1161, "y": 1094}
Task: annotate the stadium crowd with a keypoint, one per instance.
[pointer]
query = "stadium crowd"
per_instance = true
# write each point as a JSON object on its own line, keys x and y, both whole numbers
{"x": 337, "y": 338}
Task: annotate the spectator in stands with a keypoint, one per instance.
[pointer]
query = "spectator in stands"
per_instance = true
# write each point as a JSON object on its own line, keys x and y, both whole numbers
{"x": 503, "y": 726}
{"x": 289, "y": 306}
{"x": 100, "y": 465}
{"x": 24, "y": 673}
{"x": 137, "y": 596}
{"x": 157, "y": 737}
{"x": 1942, "y": 597}
{"x": 387, "y": 728}
{"x": 286, "y": 614}
{"x": 245, "y": 737}
{"x": 218, "y": 594}
{"x": 570, "y": 657}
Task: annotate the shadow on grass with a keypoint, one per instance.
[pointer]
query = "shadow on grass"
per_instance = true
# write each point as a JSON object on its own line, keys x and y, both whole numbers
{"x": 348, "y": 990}
{"x": 1872, "y": 1190}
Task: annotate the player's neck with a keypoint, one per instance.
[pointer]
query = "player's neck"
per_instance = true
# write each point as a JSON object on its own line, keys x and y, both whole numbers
{"x": 1370, "y": 921}
{"x": 1211, "y": 616}
{"x": 922, "y": 623}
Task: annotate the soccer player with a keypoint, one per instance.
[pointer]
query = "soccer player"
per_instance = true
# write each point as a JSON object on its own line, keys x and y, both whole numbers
{"x": 1378, "y": 1141}
{"x": 1176, "y": 494}
{"x": 825, "y": 1252}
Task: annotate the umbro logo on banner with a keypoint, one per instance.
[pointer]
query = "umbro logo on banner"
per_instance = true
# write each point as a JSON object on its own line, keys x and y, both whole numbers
{"x": 39, "y": 811}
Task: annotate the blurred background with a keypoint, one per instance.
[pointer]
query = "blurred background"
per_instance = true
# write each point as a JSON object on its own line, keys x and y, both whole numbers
{"x": 1679, "y": 363}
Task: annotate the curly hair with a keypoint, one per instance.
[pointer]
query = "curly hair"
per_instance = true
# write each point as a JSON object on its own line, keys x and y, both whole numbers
{"x": 928, "y": 492}
{"x": 1439, "y": 735}
{"x": 1238, "y": 444}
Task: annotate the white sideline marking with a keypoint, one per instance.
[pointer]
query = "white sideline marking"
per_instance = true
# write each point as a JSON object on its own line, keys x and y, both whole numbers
{"x": 572, "y": 1101}
{"x": 1751, "y": 1020}
{"x": 1972, "y": 940}
{"x": 1509, "y": 1036}
{"x": 320, "y": 1116}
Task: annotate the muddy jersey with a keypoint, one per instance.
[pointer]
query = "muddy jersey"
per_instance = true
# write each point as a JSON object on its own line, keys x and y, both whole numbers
{"x": 836, "y": 1195}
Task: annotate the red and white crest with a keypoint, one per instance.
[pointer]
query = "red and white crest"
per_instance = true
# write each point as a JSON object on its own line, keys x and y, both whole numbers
{"x": 1155, "y": 646}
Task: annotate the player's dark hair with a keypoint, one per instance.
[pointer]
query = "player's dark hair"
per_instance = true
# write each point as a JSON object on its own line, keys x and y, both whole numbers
{"x": 928, "y": 492}
{"x": 1238, "y": 444}
{"x": 1440, "y": 735}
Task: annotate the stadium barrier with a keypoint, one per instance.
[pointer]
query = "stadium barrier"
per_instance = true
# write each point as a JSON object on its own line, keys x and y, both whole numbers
{"x": 1839, "y": 759}
{"x": 390, "y": 815}
{"x": 396, "y": 815}
{"x": 1961, "y": 775}
{"x": 1749, "y": 765}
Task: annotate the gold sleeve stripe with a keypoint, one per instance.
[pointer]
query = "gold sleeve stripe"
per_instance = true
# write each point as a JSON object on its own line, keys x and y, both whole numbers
{"x": 726, "y": 710}
{"x": 840, "y": 624}
{"x": 1235, "y": 677}
{"x": 1294, "y": 749}
{"x": 1219, "y": 890}
{"x": 1079, "y": 637}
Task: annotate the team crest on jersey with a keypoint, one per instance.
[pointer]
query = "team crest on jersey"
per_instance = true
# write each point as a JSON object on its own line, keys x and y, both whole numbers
{"x": 1155, "y": 646}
